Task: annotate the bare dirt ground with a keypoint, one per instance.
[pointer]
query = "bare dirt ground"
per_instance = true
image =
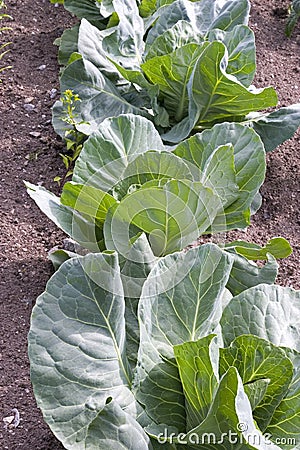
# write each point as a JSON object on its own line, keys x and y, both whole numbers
{"x": 30, "y": 150}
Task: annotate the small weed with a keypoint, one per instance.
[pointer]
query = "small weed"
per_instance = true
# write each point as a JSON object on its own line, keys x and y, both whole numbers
{"x": 74, "y": 139}
{"x": 3, "y": 50}
{"x": 33, "y": 156}
{"x": 294, "y": 16}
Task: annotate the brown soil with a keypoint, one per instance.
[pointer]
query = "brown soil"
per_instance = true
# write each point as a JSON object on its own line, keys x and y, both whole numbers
{"x": 27, "y": 235}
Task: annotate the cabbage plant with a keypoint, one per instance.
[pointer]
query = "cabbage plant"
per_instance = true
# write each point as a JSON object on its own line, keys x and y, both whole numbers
{"x": 187, "y": 66}
{"x": 126, "y": 181}
{"x": 205, "y": 368}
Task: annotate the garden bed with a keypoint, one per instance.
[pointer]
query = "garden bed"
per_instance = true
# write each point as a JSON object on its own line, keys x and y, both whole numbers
{"x": 30, "y": 150}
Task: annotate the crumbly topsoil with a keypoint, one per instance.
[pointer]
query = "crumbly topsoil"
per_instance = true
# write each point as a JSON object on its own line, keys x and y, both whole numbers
{"x": 30, "y": 151}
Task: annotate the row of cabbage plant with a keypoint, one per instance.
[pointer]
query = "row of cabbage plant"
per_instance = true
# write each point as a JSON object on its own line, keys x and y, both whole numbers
{"x": 137, "y": 341}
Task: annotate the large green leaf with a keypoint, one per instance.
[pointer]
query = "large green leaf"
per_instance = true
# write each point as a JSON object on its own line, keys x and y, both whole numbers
{"x": 87, "y": 200}
{"x": 114, "y": 428}
{"x": 267, "y": 311}
{"x": 229, "y": 423}
{"x": 216, "y": 95}
{"x": 135, "y": 270}
{"x": 171, "y": 72}
{"x": 204, "y": 16}
{"x": 112, "y": 54}
{"x": 59, "y": 256}
{"x": 198, "y": 368}
{"x": 99, "y": 97}
{"x": 152, "y": 165}
{"x": 240, "y": 45}
{"x": 136, "y": 266}
{"x": 77, "y": 353}
{"x": 123, "y": 44}
{"x": 246, "y": 274}
{"x": 91, "y": 47}
{"x": 82, "y": 229}
{"x": 119, "y": 235}
{"x": 226, "y": 15}
{"x": 130, "y": 28}
{"x": 257, "y": 359}
{"x": 89, "y": 9}
{"x": 160, "y": 393}
{"x": 284, "y": 425}
{"x": 167, "y": 16}
{"x": 68, "y": 44}
{"x": 108, "y": 151}
{"x": 148, "y": 94}
{"x": 180, "y": 300}
{"x": 276, "y": 127}
{"x": 154, "y": 4}
{"x": 173, "y": 215}
{"x": 135, "y": 76}
{"x": 277, "y": 246}
{"x": 256, "y": 391}
{"x": 249, "y": 165}
{"x": 246, "y": 144}
{"x": 213, "y": 167}
{"x": 180, "y": 34}
{"x": 147, "y": 7}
